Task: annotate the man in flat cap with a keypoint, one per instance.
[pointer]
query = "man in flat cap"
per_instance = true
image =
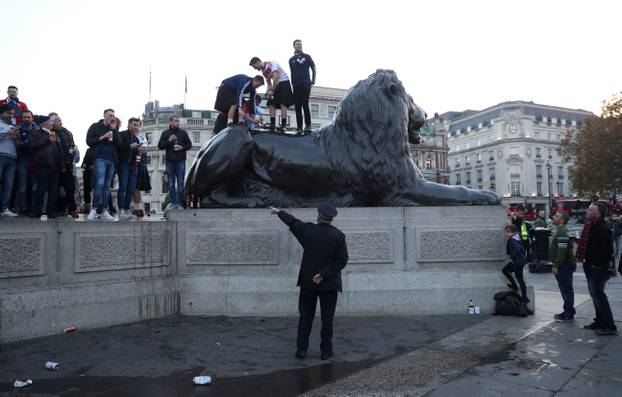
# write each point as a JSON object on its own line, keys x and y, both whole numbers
{"x": 564, "y": 264}
{"x": 325, "y": 255}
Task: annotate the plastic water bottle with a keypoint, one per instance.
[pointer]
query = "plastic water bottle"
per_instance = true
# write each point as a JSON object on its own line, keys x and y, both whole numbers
{"x": 471, "y": 309}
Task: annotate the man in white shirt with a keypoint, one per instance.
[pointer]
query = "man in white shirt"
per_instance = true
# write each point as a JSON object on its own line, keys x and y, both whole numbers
{"x": 279, "y": 90}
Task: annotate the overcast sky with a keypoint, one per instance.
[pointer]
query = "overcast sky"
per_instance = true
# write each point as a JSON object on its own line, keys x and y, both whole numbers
{"x": 79, "y": 57}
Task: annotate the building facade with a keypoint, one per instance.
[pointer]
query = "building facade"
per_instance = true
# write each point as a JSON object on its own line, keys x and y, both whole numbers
{"x": 511, "y": 148}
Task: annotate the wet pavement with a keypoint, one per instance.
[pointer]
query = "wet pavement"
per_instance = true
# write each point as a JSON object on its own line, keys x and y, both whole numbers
{"x": 244, "y": 356}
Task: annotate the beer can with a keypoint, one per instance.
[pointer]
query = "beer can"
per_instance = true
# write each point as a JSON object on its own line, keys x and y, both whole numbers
{"x": 52, "y": 366}
{"x": 22, "y": 383}
{"x": 202, "y": 380}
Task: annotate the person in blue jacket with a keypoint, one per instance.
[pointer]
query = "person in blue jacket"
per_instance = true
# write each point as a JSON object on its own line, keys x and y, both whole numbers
{"x": 230, "y": 96}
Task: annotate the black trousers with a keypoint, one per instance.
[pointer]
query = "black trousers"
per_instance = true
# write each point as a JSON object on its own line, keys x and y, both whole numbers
{"x": 47, "y": 181}
{"x": 518, "y": 274}
{"x": 66, "y": 181}
{"x": 301, "y": 102}
{"x": 307, "y": 301}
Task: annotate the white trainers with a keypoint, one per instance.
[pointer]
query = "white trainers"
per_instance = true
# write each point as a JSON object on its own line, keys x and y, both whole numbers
{"x": 106, "y": 216}
{"x": 123, "y": 215}
{"x": 8, "y": 212}
{"x": 92, "y": 215}
{"x": 43, "y": 218}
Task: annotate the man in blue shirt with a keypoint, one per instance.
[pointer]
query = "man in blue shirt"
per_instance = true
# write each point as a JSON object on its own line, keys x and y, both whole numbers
{"x": 299, "y": 65}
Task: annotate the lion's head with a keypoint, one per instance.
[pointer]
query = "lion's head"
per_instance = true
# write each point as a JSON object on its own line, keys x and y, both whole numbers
{"x": 380, "y": 104}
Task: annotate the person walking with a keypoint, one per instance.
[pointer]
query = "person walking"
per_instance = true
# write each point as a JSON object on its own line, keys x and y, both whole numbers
{"x": 325, "y": 254}
{"x": 595, "y": 250}
{"x": 564, "y": 264}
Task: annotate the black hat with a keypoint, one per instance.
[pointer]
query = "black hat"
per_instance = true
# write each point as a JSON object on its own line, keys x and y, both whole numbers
{"x": 327, "y": 210}
{"x": 42, "y": 119}
{"x": 4, "y": 108}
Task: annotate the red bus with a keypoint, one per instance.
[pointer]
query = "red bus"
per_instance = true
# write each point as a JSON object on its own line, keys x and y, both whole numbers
{"x": 574, "y": 207}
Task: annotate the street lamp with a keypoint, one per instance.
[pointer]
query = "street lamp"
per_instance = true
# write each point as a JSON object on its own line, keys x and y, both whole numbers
{"x": 548, "y": 175}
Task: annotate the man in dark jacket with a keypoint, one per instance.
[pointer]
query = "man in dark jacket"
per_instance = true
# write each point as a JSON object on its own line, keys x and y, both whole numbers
{"x": 325, "y": 255}
{"x": 595, "y": 250}
{"x": 66, "y": 180}
{"x": 128, "y": 168}
{"x": 176, "y": 142}
{"x": 230, "y": 96}
{"x": 24, "y": 174}
{"x": 102, "y": 137}
{"x": 517, "y": 259}
{"x": 47, "y": 157}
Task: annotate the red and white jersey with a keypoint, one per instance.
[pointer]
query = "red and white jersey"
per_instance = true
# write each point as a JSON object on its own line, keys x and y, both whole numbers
{"x": 269, "y": 67}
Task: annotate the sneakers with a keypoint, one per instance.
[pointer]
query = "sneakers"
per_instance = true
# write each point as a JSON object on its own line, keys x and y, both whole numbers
{"x": 106, "y": 216}
{"x": 7, "y": 212}
{"x": 301, "y": 354}
{"x": 125, "y": 215}
{"x": 562, "y": 317}
{"x": 92, "y": 215}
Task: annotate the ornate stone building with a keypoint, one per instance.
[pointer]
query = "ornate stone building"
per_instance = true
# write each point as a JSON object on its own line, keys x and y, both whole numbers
{"x": 511, "y": 148}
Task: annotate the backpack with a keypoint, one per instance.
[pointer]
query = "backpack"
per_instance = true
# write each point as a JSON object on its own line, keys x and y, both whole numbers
{"x": 509, "y": 303}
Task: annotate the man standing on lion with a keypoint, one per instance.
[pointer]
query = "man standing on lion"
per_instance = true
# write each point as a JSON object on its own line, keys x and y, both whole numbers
{"x": 361, "y": 159}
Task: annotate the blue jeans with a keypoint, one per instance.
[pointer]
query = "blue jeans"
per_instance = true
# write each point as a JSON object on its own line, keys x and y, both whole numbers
{"x": 127, "y": 185}
{"x": 103, "y": 171}
{"x": 597, "y": 278}
{"x": 7, "y": 174}
{"x": 175, "y": 170}
{"x": 24, "y": 184}
{"x": 564, "y": 281}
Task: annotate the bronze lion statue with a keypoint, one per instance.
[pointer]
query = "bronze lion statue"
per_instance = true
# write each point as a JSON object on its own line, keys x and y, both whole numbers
{"x": 361, "y": 159}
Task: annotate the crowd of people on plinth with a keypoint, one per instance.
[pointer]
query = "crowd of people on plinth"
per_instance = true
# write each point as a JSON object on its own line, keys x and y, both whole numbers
{"x": 39, "y": 157}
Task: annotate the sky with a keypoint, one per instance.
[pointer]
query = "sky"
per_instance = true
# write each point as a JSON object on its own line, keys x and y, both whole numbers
{"x": 78, "y": 58}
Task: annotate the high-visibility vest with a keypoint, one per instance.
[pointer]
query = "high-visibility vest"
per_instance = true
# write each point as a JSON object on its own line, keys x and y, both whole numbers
{"x": 523, "y": 231}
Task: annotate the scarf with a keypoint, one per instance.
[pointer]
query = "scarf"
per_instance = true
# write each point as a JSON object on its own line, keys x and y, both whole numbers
{"x": 583, "y": 242}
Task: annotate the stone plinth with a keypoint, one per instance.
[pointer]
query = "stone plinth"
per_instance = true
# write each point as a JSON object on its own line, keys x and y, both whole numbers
{"x": 417, "y": 260}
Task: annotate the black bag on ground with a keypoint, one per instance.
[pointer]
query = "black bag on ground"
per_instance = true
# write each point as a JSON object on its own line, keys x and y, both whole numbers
{"x": 509, "y": 303}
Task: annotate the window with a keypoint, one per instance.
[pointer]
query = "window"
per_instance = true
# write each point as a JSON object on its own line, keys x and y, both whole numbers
{"x": 539, "y": 188}
{"x": 544, "y": 119}
{"x": 467, "y": 160}
{"x": 538, "y": 171}
{"x": 513, "y": 150}
{"x": 479, "y": 157}
{"x": 331, "y": 111}
{"x": 515, "y": 189}
{"x": 468, "y": 179}
{"x": 536, "y": 134}
{"x": 538, "y": 155}
{"x": 491, "y": 155}
{"x": 428, "y": 164}
{"x": 554, "y": 120}
{"x": 550, "y": 153}
{"x": 148, "y": 137}
{"x": 563, "y": 121}
{"x": 574, "y": 123}
{"x": 196, "y": 136}
{"x": 479, "y": 176}
{"x": 548, "y": 136}
{"x": 560, "y": 172}
{"x": 457, "y": 163}
{"x": 469, "y": 129}
{"x": 458, "y": 179}
{"x": 515, "y": 171}
{"x": 315, "y": 110}
{"x": 491, "y": 172}
{"x": 558, "y": 137}
{"x": 560, "y": 188}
